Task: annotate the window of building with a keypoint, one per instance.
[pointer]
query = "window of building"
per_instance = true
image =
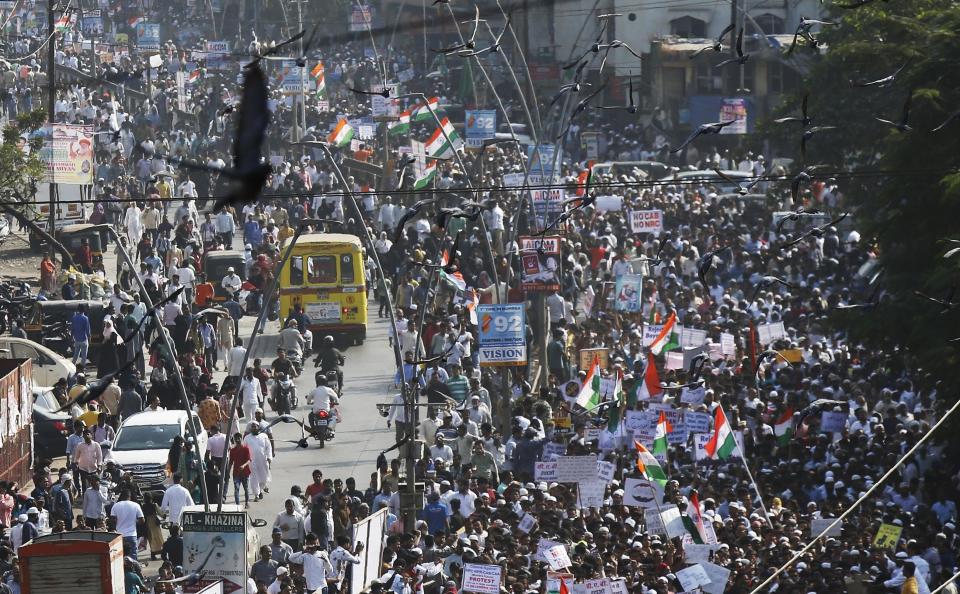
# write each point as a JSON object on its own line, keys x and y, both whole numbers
{"x": 688, "y": 27}
{"x": 771, "y": 24}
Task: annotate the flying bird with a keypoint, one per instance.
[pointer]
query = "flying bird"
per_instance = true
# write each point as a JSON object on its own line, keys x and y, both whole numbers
{"x": 445, "y": 214}
{"x": 803, "y": 177}
{"x": 741, "y": 189}
{"x": 492, "y": 48}
{"x": 809, "y": 134}
{"x": 902, "y": 125}
{"x": 712, "y": 128}
{"x": 95, "y": 389}
{"x": 803, "y": 119}
{"x": 616, "y": 43}
{"x": 153, "y": 312}
{"x": 696, "y": 366}
{"x": 946, "y": 304}
{"x": 594, "y": 48}
{"x": 795, "y": 216}
{"x": 768, "y": 354}
{"x": 469, "y": 44}
{"x": 580, "y": 108}
{"x": 768, "y": 281}
{"x": 409, "y": 214}
{"x": 886, "y": 81}
{"x": 741, "y": 58}
{"x": 953, "y": 116}
{"x": 717, "y": 46}
{"x": 574, "y": 87}
{"x": 952, "y": 251}
{"x": 402, "y": 167}
{"x": 274, "y": 49}
{"x": 705, "y": 263}
{"x": 384, "y": 92}
{"x": 815, "y": 231}
{"x": 191, "y": 579}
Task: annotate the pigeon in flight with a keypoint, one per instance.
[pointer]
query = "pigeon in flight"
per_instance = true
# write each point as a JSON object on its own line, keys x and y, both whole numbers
{"x": 580, "y": 108}
{"x": 741, "y": 58}
{"x": 953, "y": 116}
{"x": 901, "y": 125}
{"x": 469, "y": 44}
{"x": 409, "y": 214}
{"x": 717, "y": 45}
{"x": 741, "y": 189}
{"x": 274, "y": 49}
{"x": 804, "y": 119}
{"x": 809, "y": 134}
{"x": 886, "y": 81}
{"x": 712, "y": 128}
{"x": 631, "y": 106}
{"x": 705, "y": 263}
{"x": 768, "y": 281}
{"x": 95, "y": 389}
{"x": 492, "y": 48}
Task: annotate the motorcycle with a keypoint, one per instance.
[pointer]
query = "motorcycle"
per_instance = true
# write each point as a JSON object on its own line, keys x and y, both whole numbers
{"x": 333, "y": 380}
{"x": 283, "y": 397}
{"x": 320, "y": 426}
{"x": 296, "y": 359}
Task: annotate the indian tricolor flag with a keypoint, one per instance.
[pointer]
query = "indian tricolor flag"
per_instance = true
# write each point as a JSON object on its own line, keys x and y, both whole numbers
{"x": 422, "y": 112}
{"x": 437, "y": 145}
{"x": 194, "y": 76}
{"x": 317, "y": 73}
{"x": 617, "y": 404}
{"x": 589, "y": 396}
{"x": 63, "y": 23}
{"x": 136, "y": 20}
{"x": 722, "y": 442}
{"x": 694, "y": 520}
{"x": 648, "y": 386}
{"x": 663, "y": 338}
{"x": 402, "y": 126}
{"x": 428, "y": 174}
{"x": 454, "y": 279}
{"x": 648, "y": 466}
{"x": 341, "y": 135}
{"x": 783, "y": 427}
{"x": 473, "y": 300}
{"x": 660, "y": 445}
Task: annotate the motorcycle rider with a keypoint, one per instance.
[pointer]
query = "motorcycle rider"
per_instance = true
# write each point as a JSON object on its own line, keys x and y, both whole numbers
{"x": 330, "y": 359}
{"x": 303, "y": 324}
{"x": 292, "y": 341}
{"x": 324, "y": 398}
{"x": 282, "y": 369}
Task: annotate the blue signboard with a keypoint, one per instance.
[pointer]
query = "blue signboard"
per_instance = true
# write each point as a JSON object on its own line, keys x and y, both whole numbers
{"x": 502, "y": 335}
{"x": 480, "y": 125}
{"x": 541, "y": 162}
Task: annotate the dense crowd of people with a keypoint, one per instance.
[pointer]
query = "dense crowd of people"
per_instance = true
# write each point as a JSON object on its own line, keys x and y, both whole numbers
{"x": 818, "y": 424}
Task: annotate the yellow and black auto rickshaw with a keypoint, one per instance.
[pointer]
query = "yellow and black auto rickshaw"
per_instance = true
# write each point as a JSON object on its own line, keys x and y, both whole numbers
{"x": 72, "y": 237}
{"x": 215, "y": 266}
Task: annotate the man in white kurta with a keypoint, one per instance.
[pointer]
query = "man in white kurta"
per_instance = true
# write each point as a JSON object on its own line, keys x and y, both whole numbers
{"x": 134, "y": 224}
{"x": 260, "y": 455}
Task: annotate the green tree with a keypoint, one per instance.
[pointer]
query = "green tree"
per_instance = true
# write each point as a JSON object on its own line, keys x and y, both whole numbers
{"x": 905, "y": 214}
{"x": 21, "y": 168}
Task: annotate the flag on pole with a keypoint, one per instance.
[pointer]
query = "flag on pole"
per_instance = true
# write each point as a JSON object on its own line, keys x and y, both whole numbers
{"x": 135, "y": 20}
{"x": 341, "y": 135}
{"x": 589, "y": 396}
{"x": 617, "y": 404}
{"x": 422, "y": 112}
{"x": 318, "y": 75}
{"x": 694, "y": 520}
{"x": 402, "y": 126}
{"x": 428, "y": 174}
{"x": 648, "y": 465}
{"x": 648, "y": 386}
{"x": 722, "y": 442}
{"x": 662, "y": 339}
{"x": 195, "y": 75}
{"x": 63, "y": 23}
{"x": 660, "y": 446}
{"x": 783, "y": 427}
{"x": 454, "y": 278}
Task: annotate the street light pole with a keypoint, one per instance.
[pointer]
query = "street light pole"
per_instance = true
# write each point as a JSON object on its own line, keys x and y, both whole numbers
{"x": 165, "y": 336}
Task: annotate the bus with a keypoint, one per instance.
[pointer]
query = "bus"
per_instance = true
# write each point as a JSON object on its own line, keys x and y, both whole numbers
{"x": 325, "y": 275}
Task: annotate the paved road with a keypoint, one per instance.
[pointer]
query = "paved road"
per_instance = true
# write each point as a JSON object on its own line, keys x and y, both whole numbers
{"x": 363, "y": 434}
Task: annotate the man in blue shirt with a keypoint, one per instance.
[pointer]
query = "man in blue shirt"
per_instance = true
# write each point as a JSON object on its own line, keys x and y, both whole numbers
{"x": 252, "y": 233}
{"x": 435, "y": 514}
{"x": 80, "y": 330}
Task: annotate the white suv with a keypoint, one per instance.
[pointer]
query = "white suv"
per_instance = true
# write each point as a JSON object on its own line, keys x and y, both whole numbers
{"x": 143, "y": 443}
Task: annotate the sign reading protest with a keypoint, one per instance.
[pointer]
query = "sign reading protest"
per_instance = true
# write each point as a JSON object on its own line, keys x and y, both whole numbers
{"x": 646, "y": 221}
{"x": 540, "y": 260}
{"x": 502, "y": 340}
{"x": 481, "y": 578}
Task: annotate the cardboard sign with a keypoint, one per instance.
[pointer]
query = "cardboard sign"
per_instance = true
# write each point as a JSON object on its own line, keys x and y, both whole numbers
{"x": 481, "y": 578}
{"x": 698, "y": 553}
{"x": 650, "y": 333}
{"x": 628, "y": 289}
{"x": 692, "y": 577}
{"x": 831, "y": 421}
{"x": 693, "y": 396}
{"x": 653, "y": 521}
{"x": 692, "y": 337}
{"x": 557, "y": 557}
{"x": 639, "y": 492}
{"x": 767, "y": 333}
{"x": 542, "y": 546}
{"x": 540, "y": 264}
{"x": 672, "y": 521}
{"x": 646, "y": 221}
{"x": 587, "y": 356}
{"x": 526, "y": 524}
{"x": 553, "y": 450}
{"x": 618, "y": 586}
{"x": 728, "y": 345}
{"x": 719, "y": 576}
{"x": 597, "y": 586}
{"x": 819, "y": 525}
{"x": 575, "y": 469}
{"x": 606, "y": 470}
{"x": 590, "y": 493}
{"x": 673, "y": 360}
{"x": 696, "y": 422}
{"x": 545, "y": 471}
{"x": 888, "y": 535}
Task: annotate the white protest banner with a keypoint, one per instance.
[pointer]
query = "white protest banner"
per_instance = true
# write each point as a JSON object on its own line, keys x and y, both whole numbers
{"x": 545, "y": 471}
{"x": 512, "y": 180}
{"x": 605, "y": 203}
{"x": 692, "y": 577}
{"x": 590, "y": 493}
{"x": 767, "y": 333}
{"x": 718, "y": 578}
{"x": 618, "y": 586}
{"x": 635, "y": 420}
{"x": 693, "y": 396}
{"x": 833, "y": 421}
{"x": 606, "y": 470}
{"x": 650, "y": 333}
{"x": 696, "y": 422}
{"x": 575, "y": 469}
{"x": 542, "y": 546}
{"x": 698, "y": 553}
{"x": 700, "y": 446}
{"x": 639, "y": 492}
{"x": 481, "y": 578}
{"x": 653, "y": 522}
{"x": 693, "y": 337}
{"x": 672, "y": 521}
{"x": 597, "y": 586}
{"x": 607, "y": 386}
{"x": 552, "y": 450}
{"x": 557, "y": 557}
{"x": 714, "y": 351}
{"x": 646, "y": 221}
{"x": 674, "y": 360}
{"x": 819, "y": 525}
{"x": 526, "y": 523}
{"x": 728, "y": 345}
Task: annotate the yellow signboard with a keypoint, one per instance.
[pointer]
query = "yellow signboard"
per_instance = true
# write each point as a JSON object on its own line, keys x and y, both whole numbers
{"x": 887, "y": 536}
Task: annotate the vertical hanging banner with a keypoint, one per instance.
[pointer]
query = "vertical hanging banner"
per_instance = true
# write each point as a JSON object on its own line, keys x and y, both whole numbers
{"x": 479, "y": 125}
{"x": 734, "y": 108}
{"x": 502, "y": 335}
{"x": 148, "y": 36}
{"x": 361, "y": 18}
{"x": 68, "y": 152}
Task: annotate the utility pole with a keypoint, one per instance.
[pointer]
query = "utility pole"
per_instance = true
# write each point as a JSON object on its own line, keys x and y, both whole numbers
{"x": 51, "y": 103}
{"x": 303, "y": 81}
{"x": 732, "y": 79}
